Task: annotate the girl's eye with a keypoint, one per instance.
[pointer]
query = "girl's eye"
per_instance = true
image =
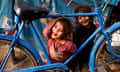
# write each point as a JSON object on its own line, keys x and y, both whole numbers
{"x": 79, "y": 17}
{"x": 55, "y": 26}
{"x": 58, "y": 29}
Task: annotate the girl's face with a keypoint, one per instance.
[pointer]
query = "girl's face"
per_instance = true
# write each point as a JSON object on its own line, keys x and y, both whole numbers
{"x": 57, "y": 31}
{"x": 84, "y": 20}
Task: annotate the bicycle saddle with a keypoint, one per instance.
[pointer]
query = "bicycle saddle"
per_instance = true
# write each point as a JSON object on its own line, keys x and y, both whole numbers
{"x": 29, "y": 12}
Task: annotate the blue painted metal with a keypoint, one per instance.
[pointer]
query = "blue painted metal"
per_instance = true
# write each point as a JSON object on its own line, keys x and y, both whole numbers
{"x": 43, "y": 67}
{"x": 24, "y": 44}
{"x": 16, "y": 35}
{"x": 71, "y": 15}
{"x": 38, "y": 40}
{"x": 98, "y": 42}
{"x": 111, "y": 29}
{"x": 83, "y": 45}
{"x": 92, "y": 55}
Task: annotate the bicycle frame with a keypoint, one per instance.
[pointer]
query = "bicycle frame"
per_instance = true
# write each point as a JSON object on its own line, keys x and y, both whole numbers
{"x": 105, "y": 34}
{"x": 100, "y": 29}
{"x": 98, "y": 42}
{"x": 15, "y": 39}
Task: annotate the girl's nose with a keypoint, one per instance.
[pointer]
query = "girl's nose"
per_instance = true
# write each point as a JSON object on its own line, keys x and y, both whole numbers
{"x": 55, "y": 30}
{"x": 86, "y": 17}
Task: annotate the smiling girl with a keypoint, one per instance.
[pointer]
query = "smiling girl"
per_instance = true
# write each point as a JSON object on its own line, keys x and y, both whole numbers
{"x": 60, "y": 45}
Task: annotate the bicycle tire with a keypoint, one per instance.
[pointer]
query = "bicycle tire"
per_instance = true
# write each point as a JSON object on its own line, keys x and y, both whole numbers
{"x": 104, "y": 61}
{"x": 20, "y": 58}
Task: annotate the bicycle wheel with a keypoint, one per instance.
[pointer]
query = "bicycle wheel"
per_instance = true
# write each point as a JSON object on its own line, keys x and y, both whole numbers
{"x": 104, "y": 61}
{"x": 21, "y": 57}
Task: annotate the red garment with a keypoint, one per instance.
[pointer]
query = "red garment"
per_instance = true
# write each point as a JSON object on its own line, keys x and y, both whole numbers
{"x": 67, "y": 49}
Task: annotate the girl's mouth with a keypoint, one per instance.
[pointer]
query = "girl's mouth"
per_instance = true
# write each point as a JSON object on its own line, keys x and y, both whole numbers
{"x": 55, "y": 34}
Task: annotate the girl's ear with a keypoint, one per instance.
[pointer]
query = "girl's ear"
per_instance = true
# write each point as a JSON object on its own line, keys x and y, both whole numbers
{"x": 63, "y": 36}
{"x": 68, "y": 36}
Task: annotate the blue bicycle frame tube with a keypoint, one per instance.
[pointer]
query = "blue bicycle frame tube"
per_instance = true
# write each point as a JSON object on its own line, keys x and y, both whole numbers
{"x": 16, "y": 35}
{"x": 37, "y": 38}
{"x": 83, "y": 45}
{"x": 116, "y": 26}
{"x": 71, "y": 15}
{"x": 106, "y": 34}
{"x": 96, "y": 45}
{"x": 25, "y": 44}
{"x": 92, "y": 55}
{"x": 43, "y": 67}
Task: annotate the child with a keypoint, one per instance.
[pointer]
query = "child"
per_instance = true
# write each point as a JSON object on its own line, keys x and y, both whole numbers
{"x": 83, "y": 28}
{"x": 58, "y": 33}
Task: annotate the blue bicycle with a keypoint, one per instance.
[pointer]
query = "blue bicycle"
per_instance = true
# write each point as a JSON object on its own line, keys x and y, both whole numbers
{"x": 18, "y": 56}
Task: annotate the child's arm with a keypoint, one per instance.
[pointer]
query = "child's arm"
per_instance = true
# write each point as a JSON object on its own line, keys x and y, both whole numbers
{"x": 42, "y": 57}
{"x": 56, "y": 55}
{"x": 47, "y": 30}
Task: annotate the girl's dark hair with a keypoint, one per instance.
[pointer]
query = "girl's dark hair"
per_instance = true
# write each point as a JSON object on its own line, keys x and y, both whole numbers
{"x": 83, "y": 9}
{"x": 67, "y": 24}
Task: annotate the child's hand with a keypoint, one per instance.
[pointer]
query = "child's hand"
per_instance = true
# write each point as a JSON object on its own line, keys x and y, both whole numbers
{"x": 56, "y": 54}
{"x": 59, "y": 54}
